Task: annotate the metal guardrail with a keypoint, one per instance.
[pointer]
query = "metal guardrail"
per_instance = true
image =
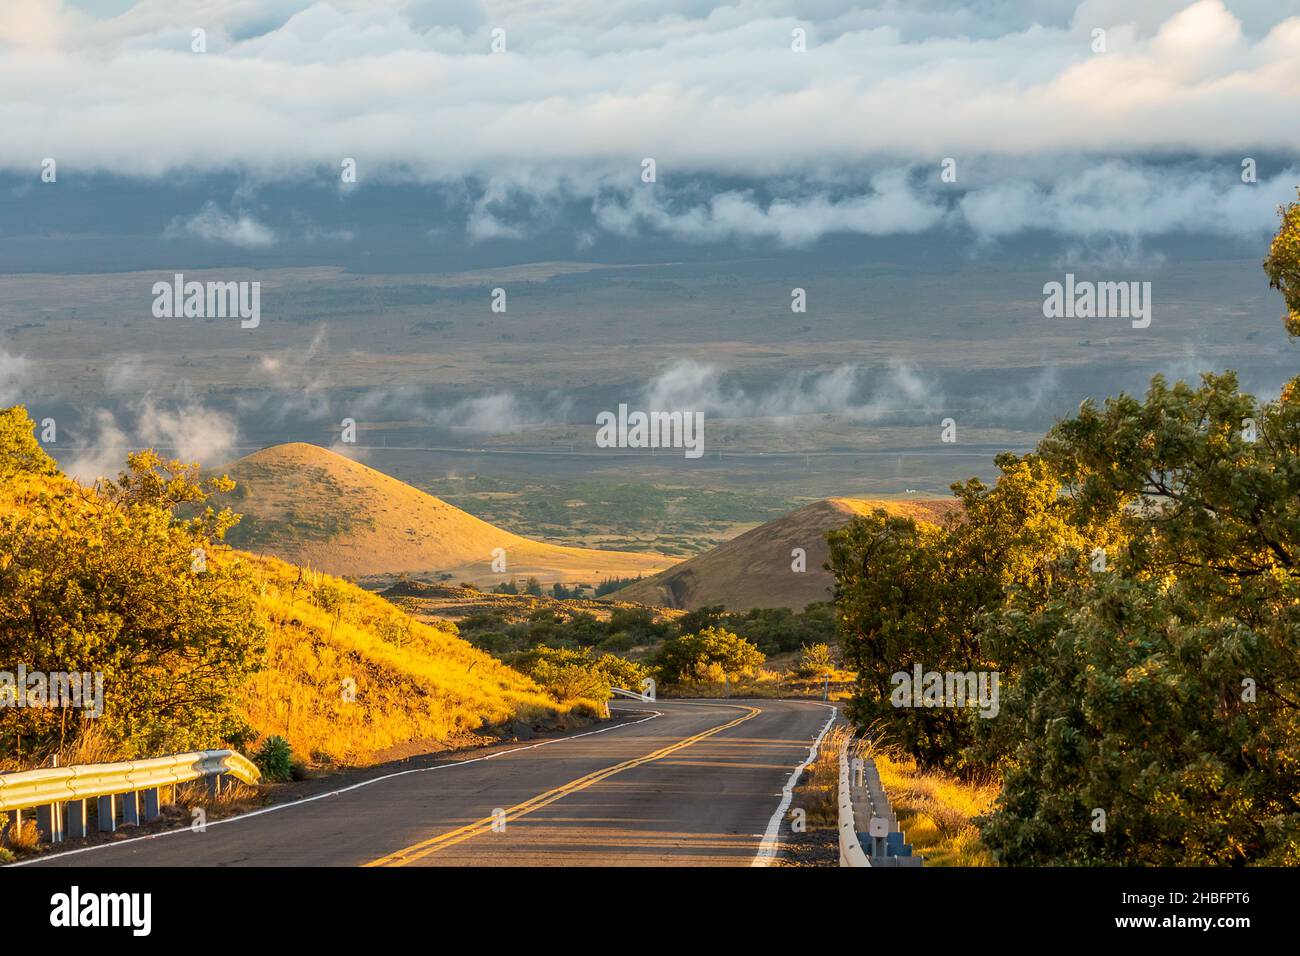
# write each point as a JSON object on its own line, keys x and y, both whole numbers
{"x": 851, "y": 852}
{"x": 879, "y": 842}
{"x": 58, "y": 795}
{"x": 623, "y": 692}
{"x": 885, "y": 844}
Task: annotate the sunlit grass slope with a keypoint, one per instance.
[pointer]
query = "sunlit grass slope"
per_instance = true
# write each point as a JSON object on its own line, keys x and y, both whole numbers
{"x": 311, "y": 506}
{"x": 349, "y": 676}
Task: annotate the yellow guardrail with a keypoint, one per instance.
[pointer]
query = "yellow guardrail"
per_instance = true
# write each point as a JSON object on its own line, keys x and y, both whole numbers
{"x": 31, "y": 788}
{"x": 49, "y": 789}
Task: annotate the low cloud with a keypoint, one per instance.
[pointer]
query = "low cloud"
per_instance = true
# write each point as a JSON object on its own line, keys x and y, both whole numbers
{"x": 15, "y": 372}
{"x": 848, "y": 391}
{"x": 1125, "y": 199}
{"x": 212, "y": 224}
{"x": 890, "y": 207}
{"x": 294, "y": 384}
{"x": 124, "y": 373}
{"x": 102, "y": 452}
{"x": 185, "y": 430}
{"x": 496, "y": 414}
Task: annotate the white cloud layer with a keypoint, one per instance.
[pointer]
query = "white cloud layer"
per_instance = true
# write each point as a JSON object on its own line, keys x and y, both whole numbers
{"x": 845, "y": 138}
{"x": 288, "y": 85}
{"x": 15, "y": 371}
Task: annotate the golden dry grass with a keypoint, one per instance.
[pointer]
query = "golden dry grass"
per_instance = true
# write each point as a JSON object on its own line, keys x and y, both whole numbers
{"x": 233, "y": 798}
{"x": 348, "y": 676}
{"x": 819, "y": 790}
{"x": 23, "y": 839}
{"x": 312, "y": 507}
{"x": 934, "y": 810}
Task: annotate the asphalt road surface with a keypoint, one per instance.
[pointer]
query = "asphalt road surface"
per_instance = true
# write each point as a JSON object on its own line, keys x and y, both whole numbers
{"x": 681, "y": 783}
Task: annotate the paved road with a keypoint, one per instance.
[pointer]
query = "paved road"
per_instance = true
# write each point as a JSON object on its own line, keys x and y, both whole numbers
{"x": 683, "y": 783}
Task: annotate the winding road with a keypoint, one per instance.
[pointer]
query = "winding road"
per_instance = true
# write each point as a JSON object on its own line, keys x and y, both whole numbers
{"x": 674, "y": 783}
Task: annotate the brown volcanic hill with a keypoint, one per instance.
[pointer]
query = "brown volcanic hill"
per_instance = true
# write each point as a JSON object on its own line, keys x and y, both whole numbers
{"x": 754, "y": 569}
{"x": 310, "y": 506}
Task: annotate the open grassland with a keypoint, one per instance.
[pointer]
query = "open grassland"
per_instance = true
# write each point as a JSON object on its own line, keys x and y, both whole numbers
{"x": 676, "y": 520}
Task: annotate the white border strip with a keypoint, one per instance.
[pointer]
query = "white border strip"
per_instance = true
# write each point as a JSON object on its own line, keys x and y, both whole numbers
{"x": 767, "y": 849}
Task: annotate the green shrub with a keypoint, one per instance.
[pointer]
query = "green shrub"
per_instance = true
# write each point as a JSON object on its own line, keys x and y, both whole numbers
{"x": 275, "y": 759}
{"x": 708, "y": 656}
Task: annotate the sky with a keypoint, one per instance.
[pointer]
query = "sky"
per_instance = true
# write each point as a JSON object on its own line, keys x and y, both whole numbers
{"x": 770, "y": 123}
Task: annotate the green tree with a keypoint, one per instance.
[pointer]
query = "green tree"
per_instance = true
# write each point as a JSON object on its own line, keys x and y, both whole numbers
{"x": 911, "y": 594}
{"x": 1165, "y": 690}
{"x": 816, "y": 660}
{"x": 568, "y": 674}
{"x": 110, "y": 580}
{"x": 1283, "y": 264}
{"x": 707, "y": 655}
{"x": 20, "y": 452}
{"x": 638, "y": 623}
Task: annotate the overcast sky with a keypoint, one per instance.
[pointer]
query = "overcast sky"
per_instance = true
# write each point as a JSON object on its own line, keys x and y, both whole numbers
{"x": 751, "y": 140}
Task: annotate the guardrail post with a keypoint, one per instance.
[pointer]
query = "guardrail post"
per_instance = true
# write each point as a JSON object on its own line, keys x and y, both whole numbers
{"x": 49, "y": 820}
{"x": 213, "y": 781}
{"x": 107, "y": 813}
{"x": 130, "y": 809}
{"x": 15, "y": 827}
{"x": 152, "y": 811}
{"x": 76, "y": 818}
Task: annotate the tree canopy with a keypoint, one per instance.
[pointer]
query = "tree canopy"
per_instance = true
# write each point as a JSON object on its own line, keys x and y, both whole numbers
{"x": 1133, "y": 582}
{"x": 112, "y": 580}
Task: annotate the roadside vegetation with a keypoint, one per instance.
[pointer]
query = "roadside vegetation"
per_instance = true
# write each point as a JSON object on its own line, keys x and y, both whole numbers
{"x": 813, "y": 818}
{"x": 1134, "y": 583}
{"x": 785, "y": 653}
{"x": 201, "y": 646}
{"x": 799, "y": 647}
{"x": 938, "y": 812}
{"x": 569, "y": 675}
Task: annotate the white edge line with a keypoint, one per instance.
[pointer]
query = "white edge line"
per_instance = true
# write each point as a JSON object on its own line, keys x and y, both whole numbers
{"x": 767, "y": 849}
{"x": 334, "y": 793}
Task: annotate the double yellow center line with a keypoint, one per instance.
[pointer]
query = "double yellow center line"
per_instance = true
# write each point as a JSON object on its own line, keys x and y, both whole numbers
{"x": 425, "y": 848}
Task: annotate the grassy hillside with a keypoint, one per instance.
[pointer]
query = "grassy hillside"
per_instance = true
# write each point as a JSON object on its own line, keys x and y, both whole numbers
{"x": 351, "y": 679}
{"x": 755, "y": 569}
{"x": 197, "y": 644}
{"x": 310, "y": 506}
